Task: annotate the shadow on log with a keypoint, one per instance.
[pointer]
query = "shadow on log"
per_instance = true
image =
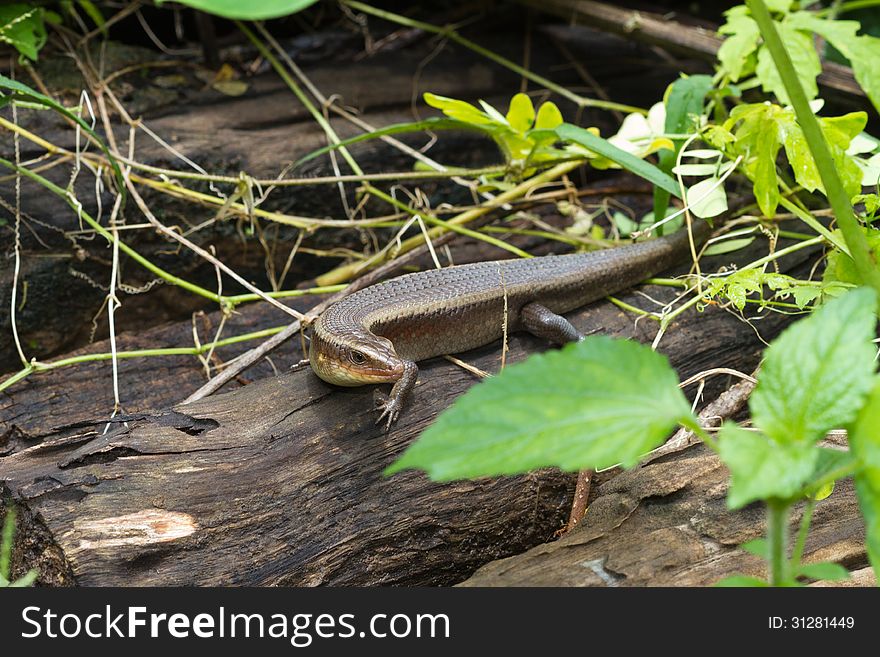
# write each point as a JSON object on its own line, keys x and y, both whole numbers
{"x": 279, "y": 482}
{"x": 667, "y": 524}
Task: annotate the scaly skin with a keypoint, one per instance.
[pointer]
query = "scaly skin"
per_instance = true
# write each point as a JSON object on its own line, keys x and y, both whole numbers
{"x": 377, "y": 335}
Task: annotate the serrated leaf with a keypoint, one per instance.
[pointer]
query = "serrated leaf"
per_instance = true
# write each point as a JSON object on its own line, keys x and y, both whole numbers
{"x": 736, "y": 52}
{"x": 804, "y": 57}
{"x": 863, "y": 52}
{"x": 864, "y": 440}
{"x": 870, "y": 201}
{"x": 592, "y": 404}
{"x": 741, "y": 581}
{"x": 758, "y": 140}
{"x": 816, "y": 374}
{"x": 521, "y": 114}
{"x": 805, "y": 295}
{"x": 737, "y": 295}
{"x": 761, "y": 468}
{"x": 549, "y": 117}
{"x": 706, "y": 202}
{"x": 251, "y": 11}
{"x": 840, "y": 267}
{"x": 826, "y": 571}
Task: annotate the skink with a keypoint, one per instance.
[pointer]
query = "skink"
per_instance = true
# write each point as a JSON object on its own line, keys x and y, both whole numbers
{"x": 378, "y": 334}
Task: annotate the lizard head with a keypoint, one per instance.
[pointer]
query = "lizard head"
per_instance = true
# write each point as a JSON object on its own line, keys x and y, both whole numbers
{"x": 355, "y": 360}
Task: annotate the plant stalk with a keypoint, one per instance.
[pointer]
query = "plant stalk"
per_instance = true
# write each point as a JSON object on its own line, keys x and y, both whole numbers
{"x": 853, "y": 234}
{"x": 777, "y": 539}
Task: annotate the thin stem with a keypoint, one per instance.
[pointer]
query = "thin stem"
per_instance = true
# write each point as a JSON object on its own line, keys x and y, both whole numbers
{"x": 801, "y": 540}
{"x": 813, "y": 223}
{"x": 777, "y": 539}
{"x": 103, "y": 232}
{"x": 36, "y": 366}
{"x": 846, "y": 7}
{"x": 301, "y": 95}
{"x": 782, "y": 252}
{"x": 285, "y": 294}
{"x": 448, "y": 32}
{"x": 348, "y": 271}
{"x": 623, "y": 305}
{"x": 837, "y": 196}
{"x": 434, "y": 221}
{"x": 694, "y": 425}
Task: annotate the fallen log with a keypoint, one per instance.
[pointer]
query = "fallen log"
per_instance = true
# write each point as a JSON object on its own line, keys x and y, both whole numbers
{"x": 279, "y": 482}
{"x": 667, "y": 524}
{"x": 682, "y": 38}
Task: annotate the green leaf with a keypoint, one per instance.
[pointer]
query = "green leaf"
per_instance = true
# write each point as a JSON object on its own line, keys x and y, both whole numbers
{"x": 595, "y": 144}
{"x": 761, "y": 468}
{"x": 549, "y": 117}
{"x": 93, "y": 12}
{"x": 829, "y": 466}
{"x": 863, "y": 52}
{"x": 778, "y": 6}
{"x": 816, "y": 374}
{"x": 736, "y": 53}
{"x": 839, "y": 131}
{"x": 706, "y": 202}
{"x": 21, "y": 26}
{"x": 494, "y": 114}
{"x": 757, "y": 139}
{"x": 741, "y": 581}
{"x": 826, "y": 570}
{"x": 592, "y": 404}
{"x": 521, "y": 114}
{"x": 249, "y": 11}
{"x": 695, "y": 169}
{"x": 458, "y": 109}
{"x": 728, "y": 246}
{"x": 804, "y": 57}
{"x": 804, "y": 295}
{"x": 864, "y": 440}
{"x": 759, "y": 547}
{"x": 685, "y": 101}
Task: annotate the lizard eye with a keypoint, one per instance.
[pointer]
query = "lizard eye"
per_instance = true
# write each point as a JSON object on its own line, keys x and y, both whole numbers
{"x": 357, "y": 357}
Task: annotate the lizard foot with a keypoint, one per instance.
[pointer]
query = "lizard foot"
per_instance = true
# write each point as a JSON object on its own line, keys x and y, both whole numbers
{"x": 390, "y": 407}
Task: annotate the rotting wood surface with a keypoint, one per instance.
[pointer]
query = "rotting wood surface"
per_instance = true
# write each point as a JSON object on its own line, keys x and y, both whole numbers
{"x": 279, "y": 482}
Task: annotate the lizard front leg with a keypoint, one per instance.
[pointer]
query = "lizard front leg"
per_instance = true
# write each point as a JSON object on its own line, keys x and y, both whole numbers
{"x": 392, "y": 405}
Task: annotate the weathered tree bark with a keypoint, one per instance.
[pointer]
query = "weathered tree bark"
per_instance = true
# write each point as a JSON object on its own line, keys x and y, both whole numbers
{"x": 279, "y": 482}
{"x": 667, "y": 524}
